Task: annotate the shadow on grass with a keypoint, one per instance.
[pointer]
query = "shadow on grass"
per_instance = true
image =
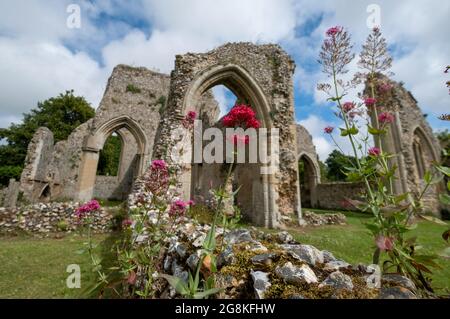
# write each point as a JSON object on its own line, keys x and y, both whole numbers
{"x": 107, "y": 252}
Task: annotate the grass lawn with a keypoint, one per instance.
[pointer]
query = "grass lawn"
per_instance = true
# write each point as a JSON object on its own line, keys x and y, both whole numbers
{"x": 353, "y": 242}
{"x": 36, "y": 268}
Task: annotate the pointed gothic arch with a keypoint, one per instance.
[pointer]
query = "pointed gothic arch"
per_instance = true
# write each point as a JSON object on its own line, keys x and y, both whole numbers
{"x": 94, "y": 143}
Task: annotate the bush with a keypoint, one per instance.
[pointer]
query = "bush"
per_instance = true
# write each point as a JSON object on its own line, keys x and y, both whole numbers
{"x": 119, "y": 215}
{"x": 62, "y": 225}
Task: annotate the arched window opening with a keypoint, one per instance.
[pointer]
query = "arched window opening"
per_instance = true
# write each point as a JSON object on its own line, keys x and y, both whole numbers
{"x": 109, "y": 159}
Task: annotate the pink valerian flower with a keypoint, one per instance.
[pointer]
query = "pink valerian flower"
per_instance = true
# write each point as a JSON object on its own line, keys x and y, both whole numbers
{"x": 241, "y": 116}
{"x": 132, "y": 277}
{"x": 159, "y": 164}
{"x": 328, "y": 129}
{"x": 178, "y": 208}
{"x": 386, "y": 118}
{"x": 156, "y": 179}
{"x": 374, "y": 151}
{"x": 91, "y": 206}
{"x": 348, "y": 106}
{"x": 189, "y": 119}
{"x": 370, "y": 101}
{"x": 384, "y": 243}
{"x": 331, "y": 32}
{"x": 127, "y": 223}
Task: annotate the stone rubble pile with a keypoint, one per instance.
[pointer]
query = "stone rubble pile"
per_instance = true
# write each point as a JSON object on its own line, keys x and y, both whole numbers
{"x": 49, "y": 218}
{"x": 256, "y": 264}
{"x": 313, "y": 219}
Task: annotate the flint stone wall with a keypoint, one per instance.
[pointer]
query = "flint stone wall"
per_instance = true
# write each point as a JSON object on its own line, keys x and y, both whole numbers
{"x": 335, "y": 195}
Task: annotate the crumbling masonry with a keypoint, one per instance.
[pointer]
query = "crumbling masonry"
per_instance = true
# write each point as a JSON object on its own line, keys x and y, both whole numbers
{"x": 145, "y": 109}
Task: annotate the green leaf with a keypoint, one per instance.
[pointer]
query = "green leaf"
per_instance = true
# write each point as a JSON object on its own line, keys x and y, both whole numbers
{"x": 433, "y": 219}
{"x": 210, "y": 241}
{"x": 445, "y": 170}
{"x": 427, "y": 177}
{"x": 445, "y": 199}
{"x": 178, "y": 284}
{"x": 344, "y": 132}
{"x": 375, "y": 131}
{"x": 206, "y": 293}
{"x": 353, "y": 130}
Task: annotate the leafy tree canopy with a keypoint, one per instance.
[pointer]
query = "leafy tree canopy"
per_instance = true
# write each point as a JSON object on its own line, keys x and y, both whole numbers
{"x": 61, "y": 114}
{"x": 336, "y": 162}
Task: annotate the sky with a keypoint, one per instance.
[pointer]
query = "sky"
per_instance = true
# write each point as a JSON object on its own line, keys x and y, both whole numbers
{"x": 42, "y": 55}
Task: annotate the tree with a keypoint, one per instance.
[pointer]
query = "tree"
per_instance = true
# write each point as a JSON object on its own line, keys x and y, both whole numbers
{"x": 336, "y": 162}
{"x": 109, "y": 160}
{"x": 61, "y": 114}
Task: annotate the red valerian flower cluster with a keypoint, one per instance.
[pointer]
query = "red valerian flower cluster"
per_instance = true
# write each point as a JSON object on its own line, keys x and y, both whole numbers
{"x": 374, "y": 151}
{"x": 178, "y": 208}
{"x": 156, "y": 180}
{"x": 384, "y": 243}
{"x": 386, "y": 118}
{"x": 241, "y": 116}
{"x": 89, "y": 207}
{"x": 188, "y": 121}
{"x": 370, "y": 101}
{"x": 127, "y": 223}
{"x": 328, "y": 129}
{"x": 331, "y": 32}
{"x": 348, "y": 106}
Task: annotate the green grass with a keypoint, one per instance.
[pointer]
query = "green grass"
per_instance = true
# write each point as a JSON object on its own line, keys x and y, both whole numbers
{"x": 36, "y": 268}
{"x": 354, "y": 244}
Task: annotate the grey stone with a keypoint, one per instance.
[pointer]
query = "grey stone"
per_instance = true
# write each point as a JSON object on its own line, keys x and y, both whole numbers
{"x": 296, "y": 275}
{"x": 226, "y": 257}
{"x": 192, "y": 261}
{"x": 238, "y": 236}
{"x": 338, "y": 280}
{"x": 264, "y": 259}
{"x": 260, "y": 283}
{"x": 178, "y": 271}
{"x": 284, "y": 237}
{"x": 399, "y": 280}
{"x": 306, "y": 253}
{"x": 336, "y": 265}
{"x": 396, "y": 293}
{"x": 328, "y": 256}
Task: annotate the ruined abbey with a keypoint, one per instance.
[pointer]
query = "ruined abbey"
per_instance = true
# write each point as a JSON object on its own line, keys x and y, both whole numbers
{"x": 145, "y": 108}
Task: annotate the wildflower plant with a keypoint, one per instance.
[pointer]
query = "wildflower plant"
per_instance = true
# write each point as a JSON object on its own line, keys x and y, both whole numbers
{"x": 83, "y": 216}
{"x": 393, "y": 213}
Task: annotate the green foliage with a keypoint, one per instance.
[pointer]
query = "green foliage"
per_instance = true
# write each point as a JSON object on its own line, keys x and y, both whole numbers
{"x": 62, "y": 225}
{"x": 133, "y": 89}
{"x": 8, "y": 172}
{"x": 336, "y": 163}
{"x": 61, "y": 114}
{"x": 109, "y": 160}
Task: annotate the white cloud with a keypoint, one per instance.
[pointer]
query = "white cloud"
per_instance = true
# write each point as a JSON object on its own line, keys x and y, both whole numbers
{"x": 225, "y": 98}
{"x": 34, "y": 72}
{"x": 323, "y": 142}
{"x": 36, "y": 64}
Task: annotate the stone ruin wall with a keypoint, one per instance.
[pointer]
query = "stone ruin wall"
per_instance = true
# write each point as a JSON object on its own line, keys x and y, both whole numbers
{"x": 143, "y": 106}
{"x": 410, "y": 127}
{"x": 260, "y": 75}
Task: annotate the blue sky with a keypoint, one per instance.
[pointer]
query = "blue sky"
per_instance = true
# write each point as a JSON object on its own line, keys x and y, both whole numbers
{"x": 40, "y": 57}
